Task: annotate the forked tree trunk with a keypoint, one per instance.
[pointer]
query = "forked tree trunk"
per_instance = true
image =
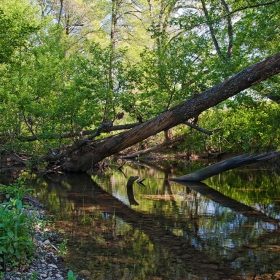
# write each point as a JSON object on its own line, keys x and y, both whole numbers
{"x": 83, "y": 159}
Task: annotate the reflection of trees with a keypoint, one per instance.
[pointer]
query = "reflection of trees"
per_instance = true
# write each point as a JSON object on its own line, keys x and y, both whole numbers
{"x": 198, "y": 229}
{"x": 194, "y": 203}
{"x": 229, "y": 202}
{"x": 232, "y": 228}
{"x": 85, "y": 192}
{"x": 51, "y": 189}
{"x": 166, "y": 187}
{"x": 259, "y": 185}
{"x": 159, "y": 228}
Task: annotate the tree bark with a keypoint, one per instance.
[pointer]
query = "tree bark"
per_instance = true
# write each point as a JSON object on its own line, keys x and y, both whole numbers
{"x": 84, "y": 159}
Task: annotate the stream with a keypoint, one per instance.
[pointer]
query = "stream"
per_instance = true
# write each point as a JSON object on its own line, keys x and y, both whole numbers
{"x": 224, "y": 228}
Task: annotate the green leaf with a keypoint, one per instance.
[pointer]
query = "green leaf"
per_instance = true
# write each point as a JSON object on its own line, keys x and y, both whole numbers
{"x": 18, "y": 254}
{"x": 3, "y": 250}
{"x": 11, "y": 250}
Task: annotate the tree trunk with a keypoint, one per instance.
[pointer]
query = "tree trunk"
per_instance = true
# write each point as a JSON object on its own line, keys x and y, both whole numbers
{"x": 166, "y": 143}
{"x": 83, "y": 159}
{"x": 223, "y": 166}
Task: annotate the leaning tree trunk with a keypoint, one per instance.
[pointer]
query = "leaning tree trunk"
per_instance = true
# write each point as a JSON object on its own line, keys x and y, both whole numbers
{"x": 83, "y": 159}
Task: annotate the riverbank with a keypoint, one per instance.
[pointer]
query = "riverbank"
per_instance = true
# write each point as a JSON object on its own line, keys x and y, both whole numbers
{"x": 47, "y": 263}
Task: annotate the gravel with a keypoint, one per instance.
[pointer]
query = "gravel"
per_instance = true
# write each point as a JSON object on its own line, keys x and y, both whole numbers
{"x": 47, "y": 264}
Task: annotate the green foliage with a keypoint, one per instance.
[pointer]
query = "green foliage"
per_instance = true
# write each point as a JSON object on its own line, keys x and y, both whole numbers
{"x": 17, "y": 23}
{"x": 249, "y": 127}
{"x": 239, "y": 125}
{"x": 59, "y": 77}
{"x": 16, "y": 227}
{"x": 71, "y": 275}
{"x": 62, "y": 248}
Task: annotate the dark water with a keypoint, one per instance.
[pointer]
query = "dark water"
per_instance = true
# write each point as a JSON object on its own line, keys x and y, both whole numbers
{"x": 224, "y": 228}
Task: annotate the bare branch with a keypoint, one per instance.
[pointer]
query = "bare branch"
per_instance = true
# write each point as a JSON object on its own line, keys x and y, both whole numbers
{"x": 212, "y": 32}
{"x": 79, "y": 133}
{"x": 253, "y": 6}
{"x": 230, "y": 33}
{"x": 225, "y": 165}
{"x": 198, "y": 128}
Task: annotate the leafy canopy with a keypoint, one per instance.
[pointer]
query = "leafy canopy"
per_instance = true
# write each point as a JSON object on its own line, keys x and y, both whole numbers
{"x": 66, "y": 66}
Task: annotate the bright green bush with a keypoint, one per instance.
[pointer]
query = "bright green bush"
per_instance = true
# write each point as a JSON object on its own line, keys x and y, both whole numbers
{"x": 243, "y": 128}
{"x": 16, "y": 226}
{"x": 237, "y": 127}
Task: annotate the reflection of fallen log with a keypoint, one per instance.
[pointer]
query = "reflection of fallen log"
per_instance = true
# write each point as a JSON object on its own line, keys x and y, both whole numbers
{"x": 224, "y": 165}
{"x": 228, "y": 202}
{"x": 129, "y": 188}
{"x": 154, "y": 226}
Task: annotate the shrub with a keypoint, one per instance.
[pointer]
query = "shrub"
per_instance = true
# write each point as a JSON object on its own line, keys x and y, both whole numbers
{"x": 16, "y": 226}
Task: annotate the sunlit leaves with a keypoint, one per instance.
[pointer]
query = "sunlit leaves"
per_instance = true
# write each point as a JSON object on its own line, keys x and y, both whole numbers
{"x": 17, "y": 23}
{"x": 59, "y": 67}
{"x": 250, "y": 127}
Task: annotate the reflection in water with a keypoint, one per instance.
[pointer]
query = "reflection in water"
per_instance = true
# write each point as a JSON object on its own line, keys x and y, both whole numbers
{"x": 165, "y": 230}
{"x": 129, "y": 187}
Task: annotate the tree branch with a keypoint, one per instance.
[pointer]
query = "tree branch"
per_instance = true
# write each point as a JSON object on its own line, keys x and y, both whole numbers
{"x": 212, "y": 32}
{"x": 253, "y": 6}
{"x": 91, "y": 132}
{"x": 198, "y": 128}
{"x": 230, "y": 33}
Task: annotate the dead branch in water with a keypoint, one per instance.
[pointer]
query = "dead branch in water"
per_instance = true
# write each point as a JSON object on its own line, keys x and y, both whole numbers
{"x": 225, "y": 165}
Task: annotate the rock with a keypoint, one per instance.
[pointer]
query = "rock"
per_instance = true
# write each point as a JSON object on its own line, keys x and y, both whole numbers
{"x": 46, "y": 265}
{"x": 47, "y": 242}
{"x": 240, "y": 259}
{"x": 84, "y": 273}
{"x": 53, "y": 266}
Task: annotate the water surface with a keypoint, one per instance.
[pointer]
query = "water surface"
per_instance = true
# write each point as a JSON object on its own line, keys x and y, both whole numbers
{"x": 223, "y": 228}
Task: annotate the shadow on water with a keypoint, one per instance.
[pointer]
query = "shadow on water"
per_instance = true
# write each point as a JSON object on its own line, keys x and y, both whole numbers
{"x": 225, "y": 228}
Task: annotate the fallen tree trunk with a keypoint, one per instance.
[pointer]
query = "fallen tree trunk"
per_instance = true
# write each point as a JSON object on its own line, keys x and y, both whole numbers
{"x": 87, "y": 155}
{"x": 158, "y": 147}
{"x": 224, "y": 165}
